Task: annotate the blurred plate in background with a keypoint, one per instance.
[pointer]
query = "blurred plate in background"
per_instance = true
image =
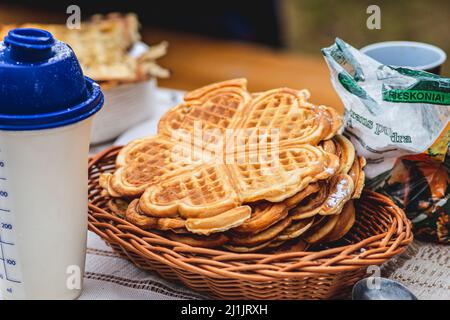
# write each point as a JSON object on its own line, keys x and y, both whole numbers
{"x": 164, "y": 99}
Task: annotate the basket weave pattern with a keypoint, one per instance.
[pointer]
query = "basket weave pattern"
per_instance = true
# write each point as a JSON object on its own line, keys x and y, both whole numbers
{"x": 380, "y": 232}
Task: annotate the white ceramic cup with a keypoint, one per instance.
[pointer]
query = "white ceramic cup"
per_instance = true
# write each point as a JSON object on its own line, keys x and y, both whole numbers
{"x": 415, "y": 55}
{"x": 43, "y": 203}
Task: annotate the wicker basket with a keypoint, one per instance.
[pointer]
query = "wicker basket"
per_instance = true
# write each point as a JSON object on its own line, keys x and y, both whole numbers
{"x": 380, "y": 232}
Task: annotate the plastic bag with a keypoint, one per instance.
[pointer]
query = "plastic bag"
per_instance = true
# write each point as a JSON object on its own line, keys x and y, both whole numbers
{"x": 399, "y": 120}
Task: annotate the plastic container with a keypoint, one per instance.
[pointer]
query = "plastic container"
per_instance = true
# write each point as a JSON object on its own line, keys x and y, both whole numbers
{"x": 410, "y": 54}
{"x": 46, "y": 109}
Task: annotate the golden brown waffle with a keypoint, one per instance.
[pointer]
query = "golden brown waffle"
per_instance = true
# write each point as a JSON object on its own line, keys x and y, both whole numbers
{"x": 296, "y": 245}
{"x": 321, "y": 227}
{"x": 244, "y": 219}
{"x": 215, "y": 107}
{"x": 296, "y": 229}
{"x": 211, "y": 241}
{"x": 328, "y": 201}
{"x": 335, "y": 212}
{"x": 287, "y": 110}
{"x": 270, "y": 222}
{"x": 339, "y": 189}
{"x": 358, "y": 176}
{"x": 346, "y": 153}
{"x": 263, "y": 216}
{"x": 145, "y": 162}
{"x": 219, "y": 223}
{"x": 134, "y": 216}
{"x": 200, "y": 189}
{"x": 240, "y": 197}
{"x": 261, "y": 237}
{"x": 331, "y": 228}
{"x": 118, "y": 206}
{"x": 344, "y": 223}
{"x": 211, "y": 189}
{"x": 245, "y": 249}
{"x": 203, "y": 192}
{"x": 102, "y": 47}
{"x": 290, "y": 172}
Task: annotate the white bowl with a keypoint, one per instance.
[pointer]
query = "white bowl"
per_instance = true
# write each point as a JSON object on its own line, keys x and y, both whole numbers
{"x": 125, "y": 106}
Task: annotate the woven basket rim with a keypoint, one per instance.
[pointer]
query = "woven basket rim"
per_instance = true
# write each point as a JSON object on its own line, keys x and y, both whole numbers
{"x": 219, "y": 263}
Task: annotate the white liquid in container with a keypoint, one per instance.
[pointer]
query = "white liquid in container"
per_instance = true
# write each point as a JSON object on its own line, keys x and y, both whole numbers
{"x": 43, "y": 211}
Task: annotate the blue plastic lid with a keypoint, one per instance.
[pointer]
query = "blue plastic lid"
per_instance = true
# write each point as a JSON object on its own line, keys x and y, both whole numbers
{"x": 41, "y": 83}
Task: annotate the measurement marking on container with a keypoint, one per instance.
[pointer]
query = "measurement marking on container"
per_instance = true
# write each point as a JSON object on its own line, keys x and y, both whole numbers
{"x": 5, "y": 210}
{"x": 4, "y": 259}
{"x": 4, "y": 242}
{"x": 1, "y": 178}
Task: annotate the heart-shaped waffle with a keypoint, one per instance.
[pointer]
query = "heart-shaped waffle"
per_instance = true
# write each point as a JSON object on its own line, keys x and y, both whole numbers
{"x": 145, "y": 162}
{"x": 174, "y": 179}
{"x": 287, "y": 110}
{"x": 217, "y": 106}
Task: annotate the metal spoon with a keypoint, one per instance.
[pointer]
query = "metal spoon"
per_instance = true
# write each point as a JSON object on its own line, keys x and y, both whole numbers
{"x": 381, "y": 289}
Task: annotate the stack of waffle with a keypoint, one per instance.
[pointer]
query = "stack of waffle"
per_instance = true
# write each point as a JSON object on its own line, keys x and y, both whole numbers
{"x": 102, "y": 46}
{"x": 243, "y": 171}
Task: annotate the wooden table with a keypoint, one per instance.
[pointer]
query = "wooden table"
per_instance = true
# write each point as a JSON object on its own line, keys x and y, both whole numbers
{"x": 196, "y": 61}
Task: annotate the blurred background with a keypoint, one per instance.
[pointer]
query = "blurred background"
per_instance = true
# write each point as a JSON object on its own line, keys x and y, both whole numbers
{"x": 294, "y": 25}
{"x": 264, "y": 27}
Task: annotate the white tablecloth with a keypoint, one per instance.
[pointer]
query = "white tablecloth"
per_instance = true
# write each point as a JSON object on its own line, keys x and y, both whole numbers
{"x": 108, "y": 276}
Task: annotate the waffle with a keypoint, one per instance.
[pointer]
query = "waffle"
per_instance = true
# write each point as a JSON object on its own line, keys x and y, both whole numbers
{"x": 249, "y": 220}
{"x": 263, "y": 216}
{"x": 222, "y": 222}
{"x": 346, "y": 153}
{"x": 290, "y": 246}
{"x": 245, "y": 249}
{"x": 296, "y": 229}
{"x": 211, "y": 241}
{"x": 118, "y": 206}
{"x": 328, "y": 229}
{"x": 283, "y": 176}
{"x": 277, "y": 226}
{"x": 270, "y": 191}
{"x": 216, "y": 188}
{"x": 328, "y": 201}
{"x": 145, "y": 162}
{"x": 208, "y": 190}
{"x": 214, "y": 107}
{"x": 203, "y": 192}
{"x": 298, "y": 121}
{"x": 339, "y": 189}
{"x": 134, "y": 216}
{"x": 102, "y": 47}
{"x": 261, "y": 237}
{"x": 344, "y": 223}
{"x": 358, "y": 176}
{"x": 321, "y": 228}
